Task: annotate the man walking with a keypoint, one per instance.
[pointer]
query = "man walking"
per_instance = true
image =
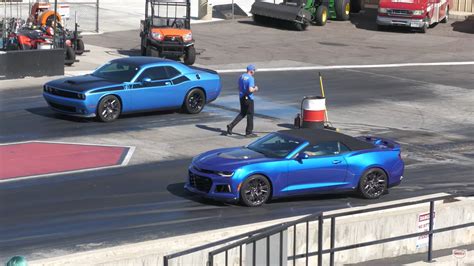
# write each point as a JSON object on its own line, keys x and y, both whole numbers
{"x": 246, "y": 89}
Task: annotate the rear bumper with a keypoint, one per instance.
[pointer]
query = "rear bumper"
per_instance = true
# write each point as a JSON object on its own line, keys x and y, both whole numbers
{"x": 401, "y": 22}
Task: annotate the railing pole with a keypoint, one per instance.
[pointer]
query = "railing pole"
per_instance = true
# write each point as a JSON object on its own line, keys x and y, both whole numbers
{"x": 333, "y": 240}
{"x": 268, "y": 251}
{"x": 294, "y": 245}
{"x": 307, "y": 242}
{"x": 210, "y": 260}
{"x": 430, "y": 236}
{"x": 97, "y": 16}
{"x": 165, "y": 260}
{"x": 320, "y": 240}
{"x": 281, "y": 248}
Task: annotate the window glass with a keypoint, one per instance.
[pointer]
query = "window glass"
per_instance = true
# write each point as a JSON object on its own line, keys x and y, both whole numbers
{"x": 172, "y": 72}
{"x": 154, "y": 73}
{"x": 116, "y": 71}
{"x": 275, "y": 145}
{"x": 326, "y": 148}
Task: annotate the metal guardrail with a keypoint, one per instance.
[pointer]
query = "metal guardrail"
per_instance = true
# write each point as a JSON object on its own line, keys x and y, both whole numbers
{"x": 253, "y": 237}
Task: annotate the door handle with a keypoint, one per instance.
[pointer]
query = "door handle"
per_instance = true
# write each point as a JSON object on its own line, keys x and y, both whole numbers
{"x": 336, "y": 162}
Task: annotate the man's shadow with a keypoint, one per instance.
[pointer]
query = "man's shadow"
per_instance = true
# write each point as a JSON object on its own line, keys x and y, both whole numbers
{"x": 222, "y": 132}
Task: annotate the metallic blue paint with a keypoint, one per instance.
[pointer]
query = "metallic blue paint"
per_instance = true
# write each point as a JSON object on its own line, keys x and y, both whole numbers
{"x": 292, "y": 176}
{"x": 133, "y": 96}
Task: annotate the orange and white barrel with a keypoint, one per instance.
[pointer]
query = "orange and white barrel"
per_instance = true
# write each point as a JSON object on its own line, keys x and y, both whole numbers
{"x": 314, "y": 112}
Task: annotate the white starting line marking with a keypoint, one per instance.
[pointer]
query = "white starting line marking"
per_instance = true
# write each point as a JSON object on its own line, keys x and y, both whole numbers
{"x": 350, "y": 67}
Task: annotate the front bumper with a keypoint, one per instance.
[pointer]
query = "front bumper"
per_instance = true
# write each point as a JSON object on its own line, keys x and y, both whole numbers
{"x": 171, "y": 48}
{"x": 69, "y": 106}
{"x": 402, "y": 22}
{"x": 212, "y": 191}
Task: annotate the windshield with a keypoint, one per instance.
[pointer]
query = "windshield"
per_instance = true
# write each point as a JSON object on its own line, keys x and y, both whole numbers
{"x": 116, "y": 71}
{"x": 275, "y": 145}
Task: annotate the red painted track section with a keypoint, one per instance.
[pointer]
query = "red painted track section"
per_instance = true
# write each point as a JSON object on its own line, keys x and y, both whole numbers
{"x": 38, "y": 158}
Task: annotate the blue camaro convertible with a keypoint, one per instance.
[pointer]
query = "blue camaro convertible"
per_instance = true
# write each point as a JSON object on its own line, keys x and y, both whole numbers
{"x": 133, "y": 84}
{"x": 297, "y": 162}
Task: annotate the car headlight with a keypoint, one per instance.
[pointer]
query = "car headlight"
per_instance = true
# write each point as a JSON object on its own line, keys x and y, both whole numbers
{"x": 81, "y": 96}
{"x": 225, "y": 173}
{"x": 188, "y": 37}
{"x": 157, "y": 36}
{"x": 417, "y": 12}
{"x": 382, "y": 10}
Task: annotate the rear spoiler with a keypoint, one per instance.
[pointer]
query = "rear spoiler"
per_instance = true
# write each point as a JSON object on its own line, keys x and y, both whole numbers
{"x": 204, "y": 70}
{"x": 381, "y": 142}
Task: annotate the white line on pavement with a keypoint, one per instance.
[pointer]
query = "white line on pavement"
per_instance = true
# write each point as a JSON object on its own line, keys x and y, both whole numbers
{"x": 351, "y": 66}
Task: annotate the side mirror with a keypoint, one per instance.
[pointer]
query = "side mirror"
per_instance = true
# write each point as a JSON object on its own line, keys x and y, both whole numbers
{"x": 146, "y": 80}
{"x": 302, "y": 156}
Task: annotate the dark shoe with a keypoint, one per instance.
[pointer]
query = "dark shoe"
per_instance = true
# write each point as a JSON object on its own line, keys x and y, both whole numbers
{"x": 229, "y": 130}
{"x": 251, "y": 135}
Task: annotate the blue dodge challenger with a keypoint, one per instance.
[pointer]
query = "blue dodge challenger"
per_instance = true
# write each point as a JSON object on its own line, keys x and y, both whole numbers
{"x": 133, "y": 84}
{"x": 297, "y": 162}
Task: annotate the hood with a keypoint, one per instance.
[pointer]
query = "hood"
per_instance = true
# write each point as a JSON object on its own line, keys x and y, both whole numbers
{"x": 171, "y": 31}
{"x": 403, "y": 4}
{"x": 81, "y": 83}
{"x": 229, "y": 159}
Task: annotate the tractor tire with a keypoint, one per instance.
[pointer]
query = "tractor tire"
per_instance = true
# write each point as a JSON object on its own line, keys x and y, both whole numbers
{"x": 80, "y": 47}
{"x": 357, "y": 5}
{"x": 70, "y": 56}
{"x": 190, "y": 56}
{"x": 343, "y": 9}
{"x": 321, "y": 15}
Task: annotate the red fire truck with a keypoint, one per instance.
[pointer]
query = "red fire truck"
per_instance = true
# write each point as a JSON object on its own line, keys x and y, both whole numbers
{"x": 419, "y": 14}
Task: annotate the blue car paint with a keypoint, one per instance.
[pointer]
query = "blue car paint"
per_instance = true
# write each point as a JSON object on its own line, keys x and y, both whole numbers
{"x": 132, "y": 99}
{"x": 290, "y": 176}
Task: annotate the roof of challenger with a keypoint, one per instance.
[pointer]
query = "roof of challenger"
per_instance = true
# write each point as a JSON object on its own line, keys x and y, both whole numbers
{"x": 315, "y": 136}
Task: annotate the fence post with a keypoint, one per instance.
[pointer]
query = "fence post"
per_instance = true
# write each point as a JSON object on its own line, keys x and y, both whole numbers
{"x": 210, "y": 260}
{"x": 97, "y": 16}
{"x": 320, "y": 239}
{"x": 430, "y": 235}
{"x": 333, "y": 240}
{"x": 165, "y": 260}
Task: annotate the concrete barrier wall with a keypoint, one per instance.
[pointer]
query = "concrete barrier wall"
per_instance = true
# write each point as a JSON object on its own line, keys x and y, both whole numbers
{"x": 31, "y": 63}
{"x": 349, "y": 230}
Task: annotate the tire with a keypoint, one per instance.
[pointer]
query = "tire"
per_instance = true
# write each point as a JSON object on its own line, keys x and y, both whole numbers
{"x": 300, "y": 26}
{"x": 321, "y": 15}
{"x": 424, "y": 29}
{"x": 190, "y": 56}
{"x": 69, "y": 56}
{"x": 342, "y": 9}
{"x": 357, "y": 5}
{"x": 80, "y": 47}
{"x": 255, "y": 191}
{"x": 194, "y": 102}
{"x": 446, "y": 18}
{"x": 373, "y": 183}
{"x": 148, "y": 50}
{"x": 258, "y": 19}
{"x": 109, "y": 108}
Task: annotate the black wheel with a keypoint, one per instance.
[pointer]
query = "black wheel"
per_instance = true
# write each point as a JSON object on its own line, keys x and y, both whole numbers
{"x": 321, "y": 15}
{"x": 424, "y": 29}
{"x": 382, "y": 28}
{"x": 343, "y": 9}
{"x": 300, "y": 26}
{"x": 259, "y": 19}
{"x": 373, "y": 183}
{"x": 80, "y": 47}
{"x": 190, "y": 56}
{"x": 148, "y": 50}
{"x": 109, "y": 108}
{"x": 69, "y": 56}
{"x": 194, "y": 101}
{"x": 357, "y": 5}
{"x": 446, "y": 17}
{"x": 255, "y": 191}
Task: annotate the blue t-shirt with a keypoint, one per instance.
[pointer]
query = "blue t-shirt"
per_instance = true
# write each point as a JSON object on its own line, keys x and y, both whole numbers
{"x": 245, "y": 82}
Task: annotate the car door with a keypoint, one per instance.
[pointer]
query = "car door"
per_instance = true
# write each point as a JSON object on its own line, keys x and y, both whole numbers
{"x": 324, "y": 168}
{"x": 153, "y": 89}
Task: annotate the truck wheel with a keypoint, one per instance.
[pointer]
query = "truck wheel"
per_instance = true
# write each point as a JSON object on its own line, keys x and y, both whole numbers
{"x": 446, "y": 18}
{"x": 357, "y": 5}
{"x": 190, "y": 56}
{"x": 424, "y": 29}
{"x": 343, "y": 9}
{"x": 80, "y": 47}
{"x": 70, "y": 56}
{"x": 321, "y": 15}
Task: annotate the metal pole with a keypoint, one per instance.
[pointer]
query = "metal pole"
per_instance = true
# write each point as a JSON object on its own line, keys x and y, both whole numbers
{"x": 320, "y": 240}
{"x": 430, "y": 236}
{"x": 97, "y": 16}
{"x": 232, "y": 9}
{"x": 333, "y": 240}
{"x": 210, "y": 260}
{"x": 55, "y": 22}
{"x": 165, "y": 261}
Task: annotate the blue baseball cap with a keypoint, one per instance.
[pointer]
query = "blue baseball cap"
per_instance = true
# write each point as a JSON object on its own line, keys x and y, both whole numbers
{"x": 251, "y": 68}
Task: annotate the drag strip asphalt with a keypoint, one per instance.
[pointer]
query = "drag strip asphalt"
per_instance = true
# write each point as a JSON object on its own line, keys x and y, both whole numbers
{"x": 80, "y": 211}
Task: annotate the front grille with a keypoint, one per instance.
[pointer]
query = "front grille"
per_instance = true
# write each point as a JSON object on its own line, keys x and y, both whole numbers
{"x": 177, "y": 39}
{"x": 62, "y": 93}
{"x": 399, "y": 12}
{"x": 63, "y": 107}
{"x": 200, "y": 183}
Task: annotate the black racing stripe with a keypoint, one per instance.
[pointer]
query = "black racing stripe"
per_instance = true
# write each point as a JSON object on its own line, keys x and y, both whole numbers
{"x": 108, "y": 89}
{"x": 180, "y": 80}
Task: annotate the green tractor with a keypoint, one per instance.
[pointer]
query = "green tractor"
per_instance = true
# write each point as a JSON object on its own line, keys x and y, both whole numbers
{"x": 300, "y": 13}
